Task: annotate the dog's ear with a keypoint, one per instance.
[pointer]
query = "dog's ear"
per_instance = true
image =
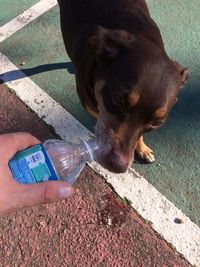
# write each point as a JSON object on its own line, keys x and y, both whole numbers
{"x": 184, "y": 72}
{"x": 106, "y": 44}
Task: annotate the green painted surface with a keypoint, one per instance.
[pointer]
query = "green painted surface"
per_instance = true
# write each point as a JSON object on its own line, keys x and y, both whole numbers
{"x": 12, "y": 8}
{"x": 176, "y": 173}
{"x": 42, "y": 50}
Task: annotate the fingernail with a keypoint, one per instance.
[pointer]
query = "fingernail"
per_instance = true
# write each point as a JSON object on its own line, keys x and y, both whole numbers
{"x": 65, "y": 192}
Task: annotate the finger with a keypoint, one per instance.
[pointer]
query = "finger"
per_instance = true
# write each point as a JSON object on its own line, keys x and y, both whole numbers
{"x": 45, "y": 192}
{"x": 14, "y": 142}
{"x": 5, "y": 174}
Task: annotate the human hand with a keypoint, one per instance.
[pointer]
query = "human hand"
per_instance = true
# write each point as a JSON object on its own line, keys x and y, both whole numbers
{"x": 15, "y": 196}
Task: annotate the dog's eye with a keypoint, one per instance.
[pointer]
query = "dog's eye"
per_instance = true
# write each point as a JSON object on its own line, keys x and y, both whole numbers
{"x": 157, "y": 124}
{"x": 153, "y": 125}
{"x": 118, "y": 99}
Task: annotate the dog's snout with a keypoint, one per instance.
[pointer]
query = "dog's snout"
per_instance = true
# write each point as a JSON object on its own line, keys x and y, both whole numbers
{"x": 117, "y": 163}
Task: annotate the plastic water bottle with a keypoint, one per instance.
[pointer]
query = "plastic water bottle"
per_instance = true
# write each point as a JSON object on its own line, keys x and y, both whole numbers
{"x": 53, "y": 160}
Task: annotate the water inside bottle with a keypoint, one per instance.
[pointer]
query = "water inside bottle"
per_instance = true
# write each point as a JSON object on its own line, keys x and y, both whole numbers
{"x": 66, "y": 157}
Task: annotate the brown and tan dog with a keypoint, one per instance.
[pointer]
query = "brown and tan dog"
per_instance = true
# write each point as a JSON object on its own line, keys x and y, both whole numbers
{"x": 124, "y": 77}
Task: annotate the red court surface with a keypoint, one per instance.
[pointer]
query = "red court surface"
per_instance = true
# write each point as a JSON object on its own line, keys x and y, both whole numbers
{"x": 92, "y": 228}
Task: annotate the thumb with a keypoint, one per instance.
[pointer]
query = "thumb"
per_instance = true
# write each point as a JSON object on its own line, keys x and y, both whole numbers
{"x": 45, "y": 192}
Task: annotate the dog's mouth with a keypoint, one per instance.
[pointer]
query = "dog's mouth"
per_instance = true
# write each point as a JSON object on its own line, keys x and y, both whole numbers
{"x": 109, "y": 156}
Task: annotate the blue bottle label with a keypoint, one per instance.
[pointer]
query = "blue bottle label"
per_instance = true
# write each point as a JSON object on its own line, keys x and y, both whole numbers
{"x": 32, "y": 165}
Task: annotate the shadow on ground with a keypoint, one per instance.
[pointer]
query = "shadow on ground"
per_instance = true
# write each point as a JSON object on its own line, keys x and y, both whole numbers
{"x": 20, "y": 74}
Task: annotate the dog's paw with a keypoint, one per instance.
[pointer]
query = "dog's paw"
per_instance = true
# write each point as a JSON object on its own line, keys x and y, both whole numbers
{"x": 145, "y": 153}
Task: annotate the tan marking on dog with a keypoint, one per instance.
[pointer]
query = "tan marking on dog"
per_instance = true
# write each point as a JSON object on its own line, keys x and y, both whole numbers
{"x": 108, "y": 119}
{"x": 134, "y": 98}
{"x": 160, "y": 113}
{"x": 98, "y": 86}
{"x": 91, "y": 112}
{"x": 104, "y": 115}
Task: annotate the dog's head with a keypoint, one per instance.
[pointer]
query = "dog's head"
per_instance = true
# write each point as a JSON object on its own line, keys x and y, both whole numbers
{"x": 135, "y": 88}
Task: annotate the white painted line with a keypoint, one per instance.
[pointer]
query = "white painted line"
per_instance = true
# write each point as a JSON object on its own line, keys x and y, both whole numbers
{"x": 23, "y": 19}
{"x": 39, "y": 101}
{"x": 145, "y": 198}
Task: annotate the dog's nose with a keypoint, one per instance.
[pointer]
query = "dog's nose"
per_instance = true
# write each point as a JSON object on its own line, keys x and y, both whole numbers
{"x": 117, "y": 163}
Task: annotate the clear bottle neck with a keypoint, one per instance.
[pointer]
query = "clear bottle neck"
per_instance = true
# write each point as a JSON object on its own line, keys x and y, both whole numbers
{"x": 91, "y": 150}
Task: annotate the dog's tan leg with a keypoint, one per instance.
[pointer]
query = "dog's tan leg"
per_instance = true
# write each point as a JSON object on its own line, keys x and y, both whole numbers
{"x": 144, "y": 151}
